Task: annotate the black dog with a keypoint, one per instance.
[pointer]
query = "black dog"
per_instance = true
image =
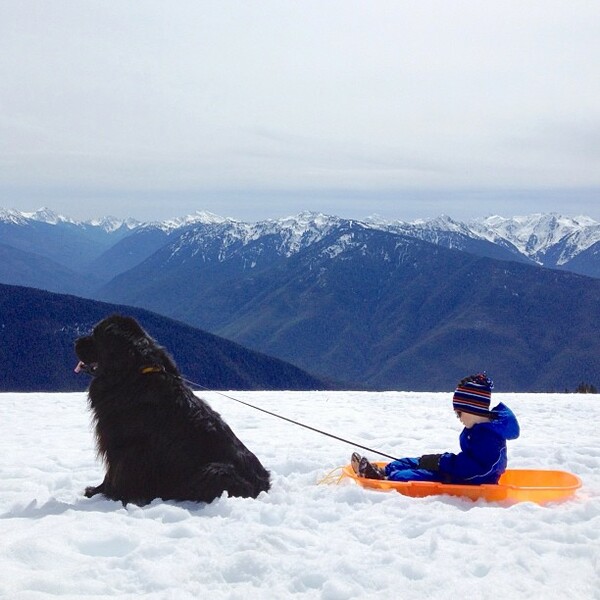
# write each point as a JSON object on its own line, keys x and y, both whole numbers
{"x": 157, "y": 439}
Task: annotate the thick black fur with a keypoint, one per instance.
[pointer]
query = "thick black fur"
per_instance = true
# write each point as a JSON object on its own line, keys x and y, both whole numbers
{"x": 157, "y": 439}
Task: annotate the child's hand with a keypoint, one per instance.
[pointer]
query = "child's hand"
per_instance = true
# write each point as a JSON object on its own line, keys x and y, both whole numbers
{"x": 431, "y": 462}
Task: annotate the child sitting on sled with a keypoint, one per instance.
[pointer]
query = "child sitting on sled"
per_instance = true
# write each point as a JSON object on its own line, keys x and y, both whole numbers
{"x": 482, "y": 441}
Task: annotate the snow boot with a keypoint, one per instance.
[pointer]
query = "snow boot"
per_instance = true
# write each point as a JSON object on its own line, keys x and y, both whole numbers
{"x": 355, "y": 461}
{"x": 369, "y": 471}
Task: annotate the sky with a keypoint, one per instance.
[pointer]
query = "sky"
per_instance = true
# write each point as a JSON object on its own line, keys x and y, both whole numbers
{"x": 263, "y": 109}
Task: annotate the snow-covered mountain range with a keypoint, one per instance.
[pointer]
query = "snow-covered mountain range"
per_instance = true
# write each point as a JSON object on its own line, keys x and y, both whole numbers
{"x": 547, "y": 239}
{"x": 542, "y": 235}
{"x": 550, "y": 240}
{"x": 48, "y": 216}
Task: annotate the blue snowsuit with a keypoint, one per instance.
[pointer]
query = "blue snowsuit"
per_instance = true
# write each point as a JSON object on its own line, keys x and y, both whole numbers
{"x": 482, "y": 458}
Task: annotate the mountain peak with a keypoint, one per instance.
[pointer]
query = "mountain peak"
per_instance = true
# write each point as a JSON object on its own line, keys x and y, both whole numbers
{"x": 535, "y": 234}
{"x": 200, "y": 217}
{"x": 306, "y": 219}
{"x": 47, "y": 215}
{"x": 50, "y": 217}
{"x": 299, "y": 230}
{"x": 9, "y": 215}
{"x": 446, "y": 223}
{"x": 110, "y": 224}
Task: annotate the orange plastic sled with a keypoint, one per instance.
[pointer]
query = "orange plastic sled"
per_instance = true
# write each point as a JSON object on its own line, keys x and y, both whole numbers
{"x": 515, "y": 485}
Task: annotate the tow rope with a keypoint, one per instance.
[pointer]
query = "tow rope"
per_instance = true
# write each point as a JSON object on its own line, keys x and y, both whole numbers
{"x": 268, "y": 412}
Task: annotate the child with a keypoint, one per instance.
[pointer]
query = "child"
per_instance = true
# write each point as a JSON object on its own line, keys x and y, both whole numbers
{"x": 483, "y": 443}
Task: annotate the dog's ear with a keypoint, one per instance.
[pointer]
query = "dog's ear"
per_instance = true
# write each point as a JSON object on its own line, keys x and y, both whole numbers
{"x": 120, "y": 326}
{"x": 130, "y": 326}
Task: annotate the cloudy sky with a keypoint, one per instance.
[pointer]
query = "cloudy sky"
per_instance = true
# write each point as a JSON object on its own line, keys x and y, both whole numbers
{"x": 256, "y": 109}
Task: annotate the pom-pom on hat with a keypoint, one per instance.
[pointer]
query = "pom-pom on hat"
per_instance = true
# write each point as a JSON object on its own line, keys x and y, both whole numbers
{"x": 473, "y": 395}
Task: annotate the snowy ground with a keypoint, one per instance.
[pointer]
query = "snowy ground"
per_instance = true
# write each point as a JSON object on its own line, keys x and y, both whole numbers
{"x": 302, "y": 539}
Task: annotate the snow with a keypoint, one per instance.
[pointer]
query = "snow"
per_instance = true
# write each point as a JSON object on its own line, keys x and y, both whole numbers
{"x": 14, "y": 217}
{"x": 298, "y": 231}
{"x": 294, "y": 233}
{"x": 112, "y": 224}
{"x": 48, "y": 216}
{"x": 302, "y": 539}
{"x": 534, "y": 235}
{"x": 198, "y": 218}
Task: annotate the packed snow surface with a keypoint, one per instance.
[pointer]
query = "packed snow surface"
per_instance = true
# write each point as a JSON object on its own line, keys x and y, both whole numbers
{"x": 301, "y": 539}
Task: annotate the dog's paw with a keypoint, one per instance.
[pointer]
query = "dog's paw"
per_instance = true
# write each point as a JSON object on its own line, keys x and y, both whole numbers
{"x": 92, "y": 491}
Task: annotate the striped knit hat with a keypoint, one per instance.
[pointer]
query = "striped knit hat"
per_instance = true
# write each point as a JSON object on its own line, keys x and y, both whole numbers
{"x": 473, "y": 395}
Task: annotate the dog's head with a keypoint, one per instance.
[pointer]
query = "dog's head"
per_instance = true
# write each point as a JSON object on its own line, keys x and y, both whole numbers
{"x": 118, "y": 343}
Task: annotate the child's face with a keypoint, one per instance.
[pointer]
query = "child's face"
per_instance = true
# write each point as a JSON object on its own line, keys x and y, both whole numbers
{"x": 468, "y": 420}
